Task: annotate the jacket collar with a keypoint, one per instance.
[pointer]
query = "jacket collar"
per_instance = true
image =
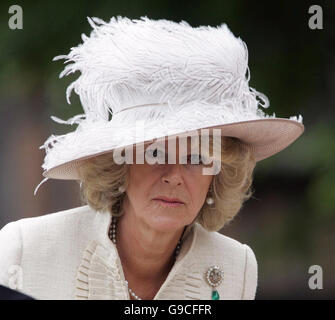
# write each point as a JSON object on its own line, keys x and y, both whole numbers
{"x": 100, "y": 274}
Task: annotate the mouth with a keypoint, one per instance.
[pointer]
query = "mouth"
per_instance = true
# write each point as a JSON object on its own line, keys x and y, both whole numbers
{"x": 169, "y": 202}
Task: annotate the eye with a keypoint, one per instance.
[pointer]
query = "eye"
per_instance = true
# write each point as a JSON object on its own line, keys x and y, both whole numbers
{"x": 155, "y": 154}
{"x": 158, "y": 153}
{"x": 194, "y": 159}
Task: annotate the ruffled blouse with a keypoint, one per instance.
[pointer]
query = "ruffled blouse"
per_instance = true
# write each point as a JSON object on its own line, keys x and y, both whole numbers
{"x": 100, "y": 274}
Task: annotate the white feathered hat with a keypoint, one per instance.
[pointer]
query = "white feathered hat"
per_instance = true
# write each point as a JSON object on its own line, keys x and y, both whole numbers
{"x": 160, "y": 78}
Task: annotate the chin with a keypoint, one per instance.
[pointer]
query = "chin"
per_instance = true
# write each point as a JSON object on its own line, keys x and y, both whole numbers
{"x": 166, "y": 222}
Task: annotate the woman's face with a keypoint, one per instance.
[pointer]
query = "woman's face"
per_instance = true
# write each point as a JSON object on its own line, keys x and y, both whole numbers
{"x": 148, "y": 182}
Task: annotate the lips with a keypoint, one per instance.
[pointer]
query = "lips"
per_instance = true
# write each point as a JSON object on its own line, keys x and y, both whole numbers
{"x": 169, "y": 200}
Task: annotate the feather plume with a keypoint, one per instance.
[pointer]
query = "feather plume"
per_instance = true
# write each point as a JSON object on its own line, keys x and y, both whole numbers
{"x": 173, "y": 62}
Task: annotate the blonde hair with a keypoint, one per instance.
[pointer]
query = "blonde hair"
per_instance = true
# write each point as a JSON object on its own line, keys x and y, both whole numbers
{"x": 101, "y": 177}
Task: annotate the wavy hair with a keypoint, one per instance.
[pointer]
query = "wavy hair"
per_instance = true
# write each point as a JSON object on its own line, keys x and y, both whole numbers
{"x": 101, "y": 177}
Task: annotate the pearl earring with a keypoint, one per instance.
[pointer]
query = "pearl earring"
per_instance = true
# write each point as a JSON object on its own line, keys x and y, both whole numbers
{"x": 122, "y": 188}
{"x": 210, "y": 200}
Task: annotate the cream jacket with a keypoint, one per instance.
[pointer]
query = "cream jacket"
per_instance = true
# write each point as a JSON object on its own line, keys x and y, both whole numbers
{"x": 68, "y": 255}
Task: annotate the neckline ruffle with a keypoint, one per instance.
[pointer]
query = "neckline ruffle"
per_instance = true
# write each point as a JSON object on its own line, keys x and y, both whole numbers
{"x": 100, "y": 275}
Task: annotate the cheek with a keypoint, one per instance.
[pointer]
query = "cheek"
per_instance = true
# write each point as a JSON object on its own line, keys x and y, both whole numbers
{"x": 200, "y": 188}
{"x": 141, "y": 180}
{"x": 198, "y": 194}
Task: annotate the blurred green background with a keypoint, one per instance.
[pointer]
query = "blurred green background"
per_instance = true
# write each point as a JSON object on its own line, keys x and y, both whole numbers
{"x": 290, "y": 221}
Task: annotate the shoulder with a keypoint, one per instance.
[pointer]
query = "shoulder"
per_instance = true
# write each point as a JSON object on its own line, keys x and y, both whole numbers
{"x": 37, "y": 246}
{"x": 14, "y": 231}
{"x": 236, "y": 258}
{"x": 52, "y": 228}
{"x": 217, "y": 241}
{"x": 59, "y": 218}
{"x": 16, "y": 235}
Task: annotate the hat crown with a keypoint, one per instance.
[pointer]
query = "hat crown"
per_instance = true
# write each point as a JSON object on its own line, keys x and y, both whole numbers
{"x": 127, "y": 62}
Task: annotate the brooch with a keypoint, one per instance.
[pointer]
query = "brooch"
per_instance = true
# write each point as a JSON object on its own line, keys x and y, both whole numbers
{"x": 214, "y": 277}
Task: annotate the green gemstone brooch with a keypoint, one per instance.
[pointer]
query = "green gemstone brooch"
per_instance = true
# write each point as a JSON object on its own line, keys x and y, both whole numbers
{"x": 214, "y": 277}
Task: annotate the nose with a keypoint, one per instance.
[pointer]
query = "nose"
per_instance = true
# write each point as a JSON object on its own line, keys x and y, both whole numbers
{"x": 172, "y": 174}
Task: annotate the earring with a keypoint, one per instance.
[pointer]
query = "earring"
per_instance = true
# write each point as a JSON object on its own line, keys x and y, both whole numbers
{"x": 122, "y": 188}
{"x": 209, "y": 199}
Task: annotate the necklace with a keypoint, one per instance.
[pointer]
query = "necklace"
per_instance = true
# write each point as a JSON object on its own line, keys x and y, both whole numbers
{"x": 112, "y": 236}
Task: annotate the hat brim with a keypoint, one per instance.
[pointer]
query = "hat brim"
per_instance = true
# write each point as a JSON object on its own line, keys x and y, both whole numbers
{"x": 265, "y": 137}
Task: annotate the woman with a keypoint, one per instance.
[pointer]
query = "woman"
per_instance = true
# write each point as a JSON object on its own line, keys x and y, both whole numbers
{"x": 149, "y": 226}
